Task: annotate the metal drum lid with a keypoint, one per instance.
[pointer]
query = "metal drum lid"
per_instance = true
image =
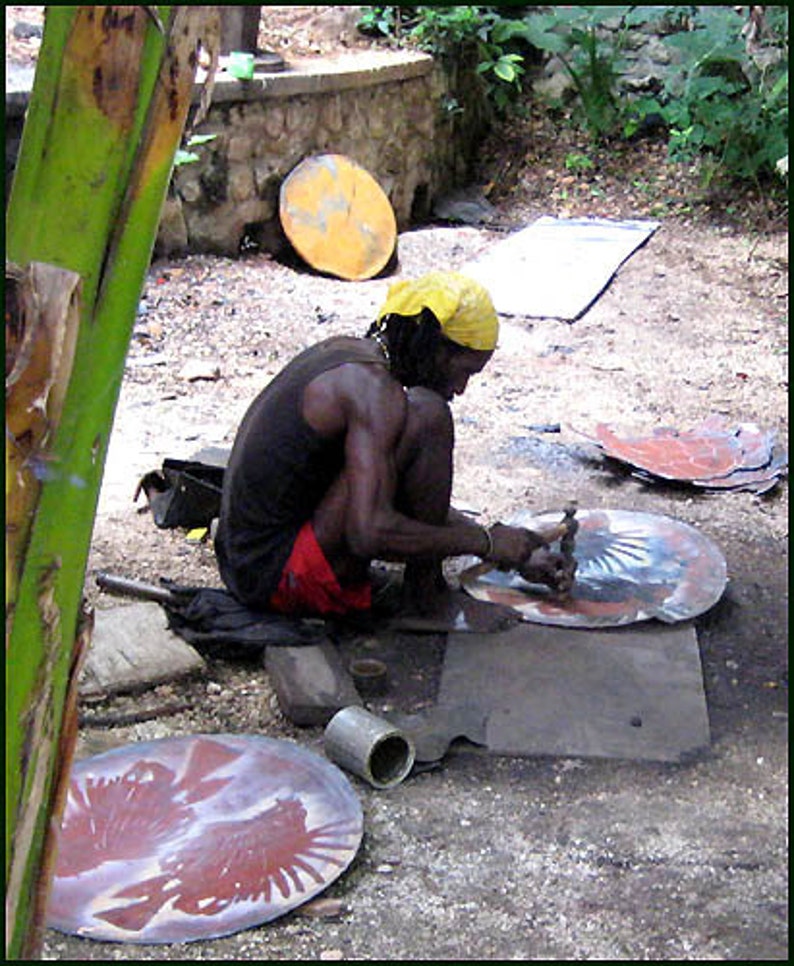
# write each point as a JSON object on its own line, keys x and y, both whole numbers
{"x": 196, "y": 837}
{"x": 630, "y": 567}
{"x": 337, "y": 217}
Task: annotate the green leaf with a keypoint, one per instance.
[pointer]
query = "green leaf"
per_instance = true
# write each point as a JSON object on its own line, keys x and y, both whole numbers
{"x": 505, "y": 70}
{"x": 196, "y": 139}
{"x": 185, "y": 157}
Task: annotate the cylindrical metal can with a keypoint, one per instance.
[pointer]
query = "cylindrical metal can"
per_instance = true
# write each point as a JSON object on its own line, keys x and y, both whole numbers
{"x": 369, "y": 746}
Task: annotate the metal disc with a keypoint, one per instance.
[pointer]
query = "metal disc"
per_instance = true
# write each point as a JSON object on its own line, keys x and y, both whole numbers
{"x": 197, "y": 837}
{"x": 337, "y": 217}
{"x": 630, "y": 567}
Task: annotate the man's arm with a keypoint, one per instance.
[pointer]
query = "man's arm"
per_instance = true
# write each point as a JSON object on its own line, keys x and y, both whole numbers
{"x": 376, "y": 413}
{"x": 366, "y": 405}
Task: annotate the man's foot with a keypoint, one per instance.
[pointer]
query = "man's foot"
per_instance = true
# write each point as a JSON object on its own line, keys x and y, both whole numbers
{"x": 452, "y": 610}
{"x": 387, "y": 586}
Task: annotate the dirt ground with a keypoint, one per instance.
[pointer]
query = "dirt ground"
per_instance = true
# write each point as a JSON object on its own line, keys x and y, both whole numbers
{"x": 496, "y": 857}
{"x": 499, "y": 858}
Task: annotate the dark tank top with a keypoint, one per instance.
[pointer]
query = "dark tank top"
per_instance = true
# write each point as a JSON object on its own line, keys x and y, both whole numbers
{"x": 278, "y": 471}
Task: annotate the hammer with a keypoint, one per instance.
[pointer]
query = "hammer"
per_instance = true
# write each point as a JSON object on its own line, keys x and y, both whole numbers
{"x": 571, "y": 525}
{"x": 565, "y": 532}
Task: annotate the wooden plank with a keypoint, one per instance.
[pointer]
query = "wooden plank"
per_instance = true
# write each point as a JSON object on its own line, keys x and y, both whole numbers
{"x": 311, "y": 682}
{"x": 132, "y": 649}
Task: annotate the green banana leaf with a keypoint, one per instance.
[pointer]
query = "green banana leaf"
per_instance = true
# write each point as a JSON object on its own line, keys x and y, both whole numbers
{"x": 111, "y": 95}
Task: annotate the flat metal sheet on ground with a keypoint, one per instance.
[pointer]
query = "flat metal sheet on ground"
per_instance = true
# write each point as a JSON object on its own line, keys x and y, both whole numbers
{"x": 557, "y": 267}
{"x": 620, "y": 693}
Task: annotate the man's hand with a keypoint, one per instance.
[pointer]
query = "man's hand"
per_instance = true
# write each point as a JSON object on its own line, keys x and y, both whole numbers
{"x": 528, "y": 552}
{"x": 544, "y": 566}
{"x": 512, "y": 545}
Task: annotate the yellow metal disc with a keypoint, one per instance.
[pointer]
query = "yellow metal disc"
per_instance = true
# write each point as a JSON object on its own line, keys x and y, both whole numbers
{"x": 337, "y": 217}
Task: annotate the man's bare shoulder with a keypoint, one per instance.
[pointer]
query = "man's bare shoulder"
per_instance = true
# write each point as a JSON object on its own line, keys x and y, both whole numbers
{"x": 354, "y": 392}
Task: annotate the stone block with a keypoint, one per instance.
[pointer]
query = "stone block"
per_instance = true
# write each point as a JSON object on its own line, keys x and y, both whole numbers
{"x": 172, "y": 232}
{"x": 241, "y": 183}
{"x": 332, "y": 117}
{"x": 240, "y": 148}
{"x": 298, "y": 120}
{"x": 189, "y": 190}
{"x": 310, "y": 681}
{"x": 133, "y": 649}
{"x": 274, "y": 121}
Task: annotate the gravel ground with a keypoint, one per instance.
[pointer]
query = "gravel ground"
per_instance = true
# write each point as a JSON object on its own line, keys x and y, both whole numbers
{"x": 505, "y": 858}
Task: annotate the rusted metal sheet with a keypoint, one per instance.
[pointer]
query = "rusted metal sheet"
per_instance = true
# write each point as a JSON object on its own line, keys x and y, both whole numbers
{"x": 630, "y": 567}
{"x": 631, "y": 693}
{"x": 191, "y": 838}
{"x": 337, "y": 217}
{"x": 713, "y": 455}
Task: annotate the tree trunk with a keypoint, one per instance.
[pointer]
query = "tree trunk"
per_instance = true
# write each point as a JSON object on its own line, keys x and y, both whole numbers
{"x": 112, "y": 90}
{"x": 240, "y": 29}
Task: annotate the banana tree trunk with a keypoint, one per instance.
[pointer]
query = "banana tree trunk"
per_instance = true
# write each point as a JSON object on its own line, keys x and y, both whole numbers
{"x": 111, "y": 95}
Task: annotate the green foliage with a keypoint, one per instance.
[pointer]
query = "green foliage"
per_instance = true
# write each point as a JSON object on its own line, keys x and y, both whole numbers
{"x": 498, "y": 43}
{"x": 184, "y": 156}
{"x": 591, "y": 57}
{"x": 720, "y": 102}
{"x": 574, "y": 161}
{"x": 724, "y": 103}
{"x": 382, "y": 21}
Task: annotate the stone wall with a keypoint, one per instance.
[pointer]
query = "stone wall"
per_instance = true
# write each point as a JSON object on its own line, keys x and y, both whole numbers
{"x": 387, "y": 110}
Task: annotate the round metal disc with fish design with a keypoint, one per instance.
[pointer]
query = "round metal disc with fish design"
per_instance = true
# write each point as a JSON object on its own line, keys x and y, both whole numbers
{"x": 630, "y": 567}
{"x": 192, "y": 838}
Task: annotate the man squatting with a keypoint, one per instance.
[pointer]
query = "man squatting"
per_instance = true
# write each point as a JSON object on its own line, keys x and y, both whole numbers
{"x": 346, "y": 457}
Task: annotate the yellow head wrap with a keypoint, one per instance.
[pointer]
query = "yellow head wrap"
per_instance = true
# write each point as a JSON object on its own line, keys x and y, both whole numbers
{"x": 461, "y": 305}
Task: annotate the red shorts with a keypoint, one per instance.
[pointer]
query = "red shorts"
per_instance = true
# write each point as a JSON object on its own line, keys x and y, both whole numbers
{"x": 308, "y": 585}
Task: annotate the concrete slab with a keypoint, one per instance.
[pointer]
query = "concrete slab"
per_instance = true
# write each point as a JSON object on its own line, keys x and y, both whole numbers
{"x": 633, "y": 693}
{"x": 132, "y": 649}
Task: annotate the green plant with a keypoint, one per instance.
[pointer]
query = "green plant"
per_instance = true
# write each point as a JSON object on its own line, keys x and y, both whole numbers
{"x": 590, "y": 54}
{"x": 106, "y": 113}
{"x": 498, "y": 43}
{"x": 184, "y": 156}
{"x": 384, "y": 21}
{"x": 725, "y": 101}
{"x": 578, "y": 162}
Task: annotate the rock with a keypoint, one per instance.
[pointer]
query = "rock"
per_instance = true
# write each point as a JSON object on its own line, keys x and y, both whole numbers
{"x": 172, "y": 231}
{"x": 323, "y": 909}
{"x": 196, "y": 369}
{"x": 26, "y": 31}
{"x": 132, "y": 648}
{"x": 467, "y": 205}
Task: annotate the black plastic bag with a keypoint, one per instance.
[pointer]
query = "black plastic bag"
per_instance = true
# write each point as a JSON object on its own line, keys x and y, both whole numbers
{"x": 186, "y": 493}
{"x": 218, "y": 625}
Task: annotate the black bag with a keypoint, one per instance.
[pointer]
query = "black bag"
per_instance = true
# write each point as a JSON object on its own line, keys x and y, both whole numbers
{"x": 186, "y": 493}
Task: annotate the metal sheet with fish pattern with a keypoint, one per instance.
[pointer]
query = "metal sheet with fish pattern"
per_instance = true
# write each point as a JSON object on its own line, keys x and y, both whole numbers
{"x": 197, "y": 837}
{"x": 630, "y": 567}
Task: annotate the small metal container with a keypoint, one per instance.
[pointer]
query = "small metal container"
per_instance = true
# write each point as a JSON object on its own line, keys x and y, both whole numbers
{"x": 370, "y": 676}
{"x": 369, "y": 746}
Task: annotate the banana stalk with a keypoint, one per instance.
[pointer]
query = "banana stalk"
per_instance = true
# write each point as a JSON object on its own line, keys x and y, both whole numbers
{"x": 111, "y": 96}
